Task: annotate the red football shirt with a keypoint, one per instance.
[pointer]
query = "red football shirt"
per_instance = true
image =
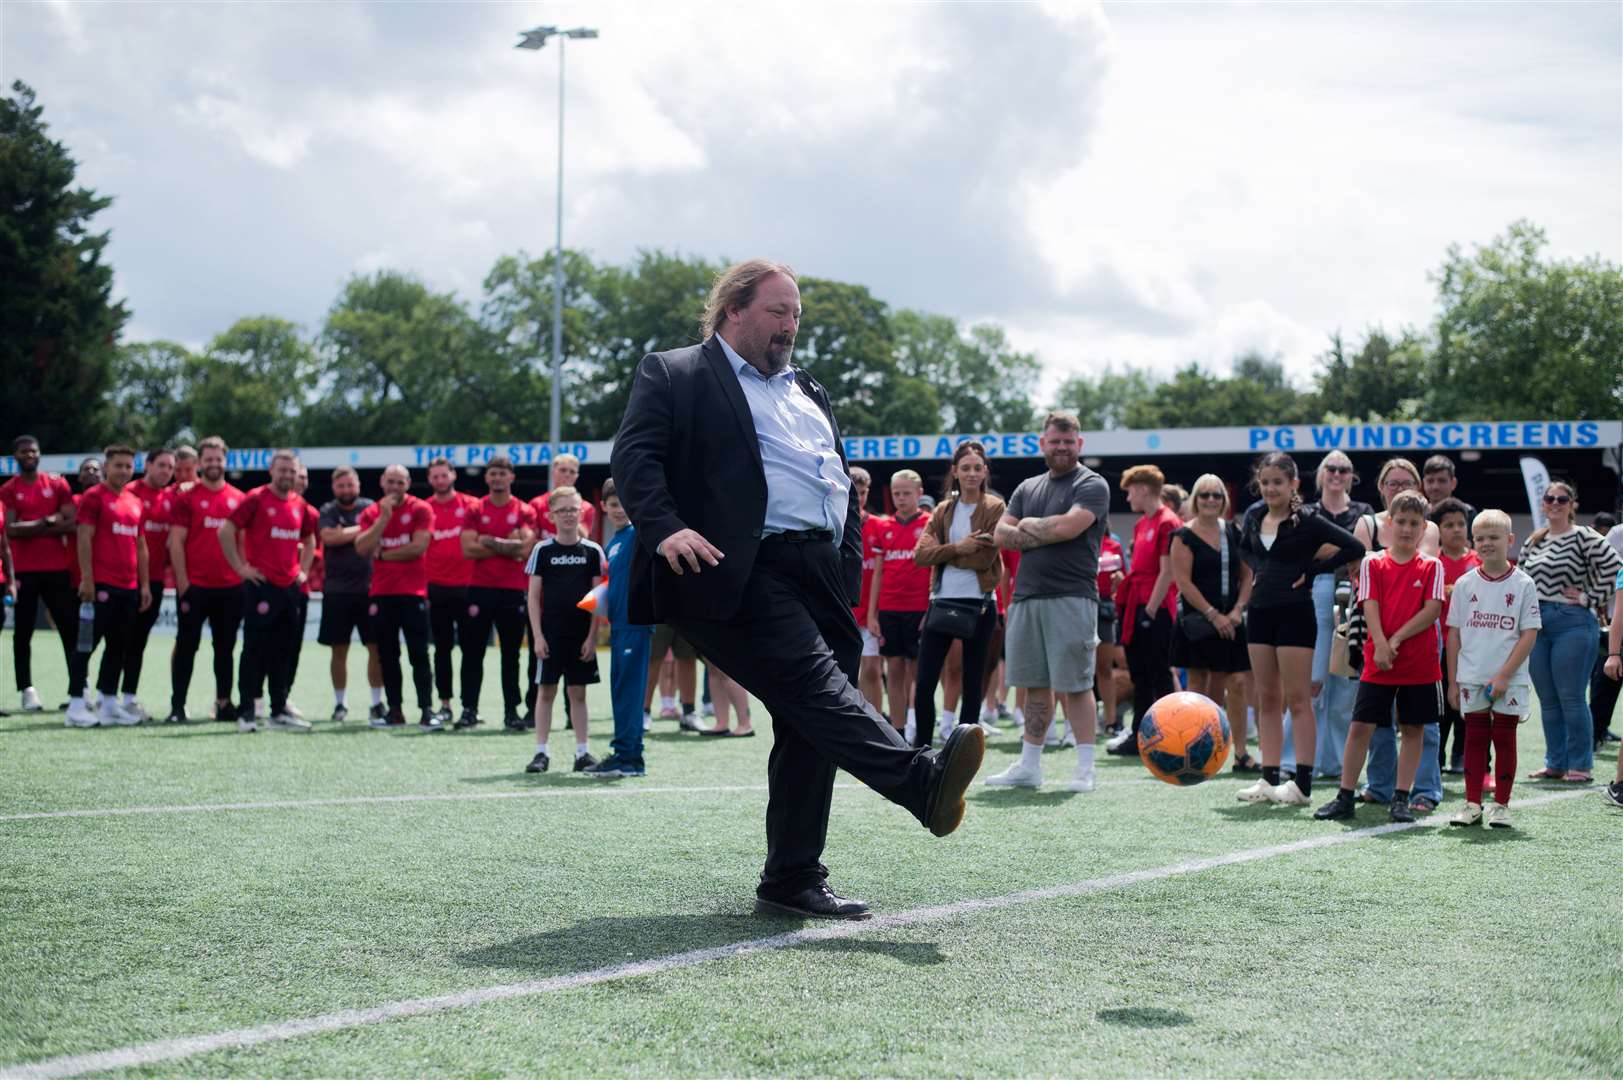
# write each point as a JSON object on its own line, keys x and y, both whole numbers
{"x": 505, "y": 521}
{"x": 47, "y": 495}
{"x": 1453, "y": 570}
{"x": 1401, "y": 590}
{"x": 201, "y": 512}
{"x": 1011, "y": 567}
{"x": 273, "y": 527}
{"x": 155, "y": 527}
{"x": 117, "y": 518}
{"x": 905, "y": 585}
{"x": 408, "y": 578}
{"x": 1152, "y": 538}
{"x": 872, "y": 526}
{"x": 446, "y": 563}
{"x": 318, "y": 562}
{"x": 1110, "y": 564}
{"x": 544, "y": 526}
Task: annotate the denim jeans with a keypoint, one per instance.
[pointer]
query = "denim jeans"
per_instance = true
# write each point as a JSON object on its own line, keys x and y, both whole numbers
{"x": 1562, "y": 658}
{"x": 1382, "y": 766}
{"x": 1332, "y": 707}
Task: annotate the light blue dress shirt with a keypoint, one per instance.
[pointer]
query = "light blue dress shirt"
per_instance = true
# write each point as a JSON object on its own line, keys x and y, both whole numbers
{"x": 806, "y": 486}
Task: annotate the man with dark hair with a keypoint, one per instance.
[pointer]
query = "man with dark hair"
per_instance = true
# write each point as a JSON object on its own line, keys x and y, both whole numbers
{"x": 112, "y": 554}
{"x": 731, "y": 467}
{"x": 207, "y": 589}
{"x": 347, "y": 580}
{"x": 449, "y": 573}
{"x": 152, "y": 489}
{"x": 39, "y": 515}
{"x": 498, "y": 538}
{"x": 1438, "y": 481}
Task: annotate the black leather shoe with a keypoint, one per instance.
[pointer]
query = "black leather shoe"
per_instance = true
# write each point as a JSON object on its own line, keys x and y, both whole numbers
{"x": 817, "y": 902}
{"x": 955, "y": 766}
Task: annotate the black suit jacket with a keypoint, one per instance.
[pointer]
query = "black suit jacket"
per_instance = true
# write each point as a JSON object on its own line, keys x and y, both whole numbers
{"x": 687, "y": 457}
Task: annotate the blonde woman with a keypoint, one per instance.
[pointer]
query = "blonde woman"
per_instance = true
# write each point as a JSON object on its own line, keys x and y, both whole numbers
{"x": 1333, "y": 695}
{"x": 1208, "y": 637}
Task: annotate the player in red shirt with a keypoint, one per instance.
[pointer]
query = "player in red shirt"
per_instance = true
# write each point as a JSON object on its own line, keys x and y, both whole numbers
{"x": 900, "y": 592}
{"x": 871, "y": 676}
{"x": 1402, "y": 594}
{"x": 185, "y": 466}
{"x": 278, "y": 541}
{"x": 88, "y": 476}
{"x": 1145, "y": 620}
{"x": 151, "y": 489}
{"x": 1453, "y": 520}
{"x": 565, "y": 473}
{"x": 395, "y": 534}
{"x": 39, "y": 515}
{"x": 206, "y": 588}
{"x": 113, "y": 576}
{"x": 449, "y": 572}
{"x": 498, "y": 538}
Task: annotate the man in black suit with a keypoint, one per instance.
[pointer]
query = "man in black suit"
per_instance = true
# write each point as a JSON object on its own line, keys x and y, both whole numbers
{"x": 731, "y": 467}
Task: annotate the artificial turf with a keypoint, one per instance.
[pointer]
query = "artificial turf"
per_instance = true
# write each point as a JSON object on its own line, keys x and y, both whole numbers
{"x": 1432, "y": 951}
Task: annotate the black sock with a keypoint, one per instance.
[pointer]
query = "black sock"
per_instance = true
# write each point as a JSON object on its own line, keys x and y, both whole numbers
{"x": 1270, "y": 775}
{"x": 687, "y": 708}
{"x": 1304, "y": 778}
{"x": 1345, "y": 794}
{"x": 1401, "y": 795}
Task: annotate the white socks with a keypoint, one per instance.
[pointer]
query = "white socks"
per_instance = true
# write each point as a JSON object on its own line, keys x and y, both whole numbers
{"x": 1019, "y": 715}
{"x": 948, "y": 719}
{"x": 129, "y": 699}
{"x": 338, "y": 697}
{"x": 1031, "y": 756}
{"x": 377, "y": 695}
{"x": 1084, "y": 757}
{"x": 580, "y": 750}
{"x": 910, "y": 716}
{"x": 667, "y": 703}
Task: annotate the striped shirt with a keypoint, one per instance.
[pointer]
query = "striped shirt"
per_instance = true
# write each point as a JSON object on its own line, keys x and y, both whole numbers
{"x": 1579, "y": 558}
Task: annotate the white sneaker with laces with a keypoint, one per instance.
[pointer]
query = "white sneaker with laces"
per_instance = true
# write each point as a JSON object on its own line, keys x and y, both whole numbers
{"x": 1261, "y": 791}
{"x": 988, "y": 714}
{"x": 1082, "y": 780}
{"x": 944, "y": 728}
{"x": 135, "y": 708}
{"x": 1127, "y": 733}
{"x": 293, "y": 711}
{"x": 1016, "y": 775}
{"x": 1069, "y": 741}
{"x": 285, "y": 721}
{"x": 246, "y": 725}
{"x": 1498, "y": 815}
{"x": 114, "y": 713}
{"x": 1469, "y": 814}
{"x": 31, "y": 701}
{"x": 1287, "y": 794}
{"x": 990, "y": 728}
{"x": 80, "y": 714}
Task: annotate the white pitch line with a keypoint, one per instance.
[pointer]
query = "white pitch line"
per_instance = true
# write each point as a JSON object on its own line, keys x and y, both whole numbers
{"x": 151, "y": 1053}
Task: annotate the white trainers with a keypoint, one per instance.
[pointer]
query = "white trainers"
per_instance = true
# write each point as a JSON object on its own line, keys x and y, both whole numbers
{"x": 1261, "y": 791}
{"x": 1469, "y": 814}
{"x": 246, "y": 725}
{"x": 80, "y": 714}
{"x": 1081, "y": 781}
{"x": 1069, "y": 741}
{"x": 909, "y": 730}
{"x": 707, "y": 710}
{"x": 31, "y": 701}
{"x": 135, "y": 708}
{"x": 1016, "y": 775}
{"x": 1055, "y": 734}
{"x": 1287, "y": 794}
{"x": 989, "y": 727}
{"x": 988, "y": 714}
{"x": 1498, "y": 815}
{"x": 114, "y": 713}
{"x": 647, "y": 720}
{"x": 286, "y": 721}
{"x": 1116, "y": 741}
{"x": 944, "y": 728}
{"x": 293, "y": 711}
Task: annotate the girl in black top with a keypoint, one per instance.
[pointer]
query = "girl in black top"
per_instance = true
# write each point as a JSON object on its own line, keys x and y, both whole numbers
{"x": 1287, "y": 546}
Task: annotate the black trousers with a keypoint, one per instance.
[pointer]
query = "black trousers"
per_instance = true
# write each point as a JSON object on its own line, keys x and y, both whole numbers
{"x": 395, "y": 617}
{"x": 296, "y": 645}
{"x": 117, "y": 611}
{"x": 504, "y": 610}
{"x": 795, "y": 646}
{"x": 1149, "y": 661}
{"x": 140, "y": 632}
{"x": 270, "y": 616}
{"x": 54, "y": 589}
{"x": 221, "y": 608}
{"x": 1602, "y": 692}
{"x": 448, "y": 628}
{"x": 933, "y": 649}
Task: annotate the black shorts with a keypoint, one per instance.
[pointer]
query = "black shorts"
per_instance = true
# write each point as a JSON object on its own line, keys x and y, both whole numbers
{"x": 565, "y": 635}
{"x": 343, "y": 614}
{"x": 1417, "y": 704}
{"x": 899, "y": 633}
{"x": 667, "y": 639}
{"x": 1289, "y": 626}
{"x": 1109, "y": 625}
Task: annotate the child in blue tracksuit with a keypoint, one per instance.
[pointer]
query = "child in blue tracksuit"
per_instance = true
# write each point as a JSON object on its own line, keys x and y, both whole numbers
{"x": 628, "y": 648}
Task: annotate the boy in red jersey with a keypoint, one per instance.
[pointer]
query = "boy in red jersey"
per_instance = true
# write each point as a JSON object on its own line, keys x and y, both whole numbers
{"x": 395, "y": 533}
{"x": 1454, "y": 533}
{"x": 113, "y": 569}
{"x": 39, "y": 515}
{"x": 207, "y": 589}
{"x": 278, "y": 541}
{"x": 498, "y": 538}
{"x": 870, "y": 679}
{"x": 449, "y": 572}
{"x": 1402, "y": 594}
{"x": 151, "y": 490}
{"x": 900, "y": 592}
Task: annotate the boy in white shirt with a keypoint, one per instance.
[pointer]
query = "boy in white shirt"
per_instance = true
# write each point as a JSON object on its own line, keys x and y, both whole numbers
{"x": 1493, "y": 621}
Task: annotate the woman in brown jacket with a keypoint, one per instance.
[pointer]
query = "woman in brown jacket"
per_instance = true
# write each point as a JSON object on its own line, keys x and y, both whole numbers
{"x": 958, "y": 543}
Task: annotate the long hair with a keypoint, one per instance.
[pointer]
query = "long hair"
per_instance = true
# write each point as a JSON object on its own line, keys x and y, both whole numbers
{"x": 949, "y": 487}
{"x": 735, "y": 288}
{"x": 1539, "y": 534}
{"x": 1286, "y": 464}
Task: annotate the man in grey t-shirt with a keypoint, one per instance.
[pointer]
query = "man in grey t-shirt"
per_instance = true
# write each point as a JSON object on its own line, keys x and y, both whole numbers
{"x": 345, "y": 606}
{"x": 1058, "y": 520}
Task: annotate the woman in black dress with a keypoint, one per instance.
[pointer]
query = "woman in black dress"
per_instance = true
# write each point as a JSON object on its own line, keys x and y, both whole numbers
{"x": 1208, "y": 637}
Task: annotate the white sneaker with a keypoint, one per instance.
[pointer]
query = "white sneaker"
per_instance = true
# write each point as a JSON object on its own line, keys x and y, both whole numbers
{"x": 1127, "y": 733}
{"x": 136, "y": 709}
{"x": 909, "y": 730}
{"x": 1498, "y": 815}
{"x": 944, "y": 728}
{"x": 990, "y": 728}
{"x": 1261, "y": 791}
{"x": 1054, "y": 736}
{"x": 1469, "y": 814}
{"x": 1016, "y": 775}
{"x": 1081, "y": 781}
{"x": 708, "y": 710}
{"x": 1287, "y": 794}
{"x": 246, "y": 725}
{"x": 647, "y": 720}
{"x": 1069, "y": 741}
{"x": 81, "y": 715}
{"x": 114, "y": 713}
{"x": 988, "y": 714}
{"x": 293, "y": 711}
{"x": 31, "y": 701}
{"x": 286, "y": 721}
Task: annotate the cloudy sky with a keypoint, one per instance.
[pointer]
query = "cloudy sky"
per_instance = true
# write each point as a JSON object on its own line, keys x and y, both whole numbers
{"x": 1120, "y": 185}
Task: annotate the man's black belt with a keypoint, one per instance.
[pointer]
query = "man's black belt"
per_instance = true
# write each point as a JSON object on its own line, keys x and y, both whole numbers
{"x": 799, "y": 536}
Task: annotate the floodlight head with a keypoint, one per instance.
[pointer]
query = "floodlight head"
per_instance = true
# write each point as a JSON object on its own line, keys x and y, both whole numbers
{"x": 581, "y": 32}
{"x": 535, "y": 39}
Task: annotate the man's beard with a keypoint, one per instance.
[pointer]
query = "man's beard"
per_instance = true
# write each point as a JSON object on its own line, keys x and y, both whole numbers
{"x": 214, "y": 476}
{"x": 1055, "y": 462}
{"x": 777, "y": 353}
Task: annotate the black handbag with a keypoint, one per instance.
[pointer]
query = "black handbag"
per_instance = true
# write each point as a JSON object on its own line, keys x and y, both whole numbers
{"x": 954, "y": 617}
{"x": 1195, "y": 626}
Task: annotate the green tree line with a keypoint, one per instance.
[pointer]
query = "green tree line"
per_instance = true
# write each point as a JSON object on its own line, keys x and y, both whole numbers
{"x": 1517, "y": 335}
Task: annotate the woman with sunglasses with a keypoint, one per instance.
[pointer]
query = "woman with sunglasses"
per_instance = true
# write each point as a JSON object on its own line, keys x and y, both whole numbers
{"x": 1397, "y": 476}
{"x": 1574, "y": 570}
{"x": 1332, "y": 694}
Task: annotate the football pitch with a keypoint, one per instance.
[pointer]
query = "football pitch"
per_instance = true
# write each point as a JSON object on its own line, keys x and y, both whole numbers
{"x": 187, "y": 901}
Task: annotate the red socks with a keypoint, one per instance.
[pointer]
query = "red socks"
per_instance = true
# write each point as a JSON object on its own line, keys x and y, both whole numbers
{"x": 1504, "y": 757}
{"x": 1480, "y": 729}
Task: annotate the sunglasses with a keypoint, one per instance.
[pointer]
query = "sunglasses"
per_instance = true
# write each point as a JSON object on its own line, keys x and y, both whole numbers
{"x": 1339, "y": 470}
{"x": 1557, "y": 500}
{"x": 1217, "y": 496}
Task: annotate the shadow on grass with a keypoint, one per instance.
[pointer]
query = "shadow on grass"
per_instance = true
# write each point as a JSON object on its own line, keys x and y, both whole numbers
{"x": 1000, "y": 798}
{"x": 1483, "y": 834}
{"x": 521, "y": 779}
{"x": 1140, "y": 1016}
{"x": 605, "y": 940}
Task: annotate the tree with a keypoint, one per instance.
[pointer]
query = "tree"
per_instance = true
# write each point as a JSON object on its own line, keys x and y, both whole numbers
{"x": 1256, "y": 393}
{"x": 151, "y": 385}
{"x": 1102, "y": 404}
{"x": 1518, "y": 337}
{"x": 251, "y": 384}
{"x": 1383, "y": 380}
{"x": 516, "y": 313}
{"x": 846, "y": 342}
{"x": 982, "y": 383}
{"x": 58, "y": 324}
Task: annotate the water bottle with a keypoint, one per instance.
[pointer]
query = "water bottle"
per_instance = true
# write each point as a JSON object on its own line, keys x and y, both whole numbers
{"x": 87, "y": 627}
